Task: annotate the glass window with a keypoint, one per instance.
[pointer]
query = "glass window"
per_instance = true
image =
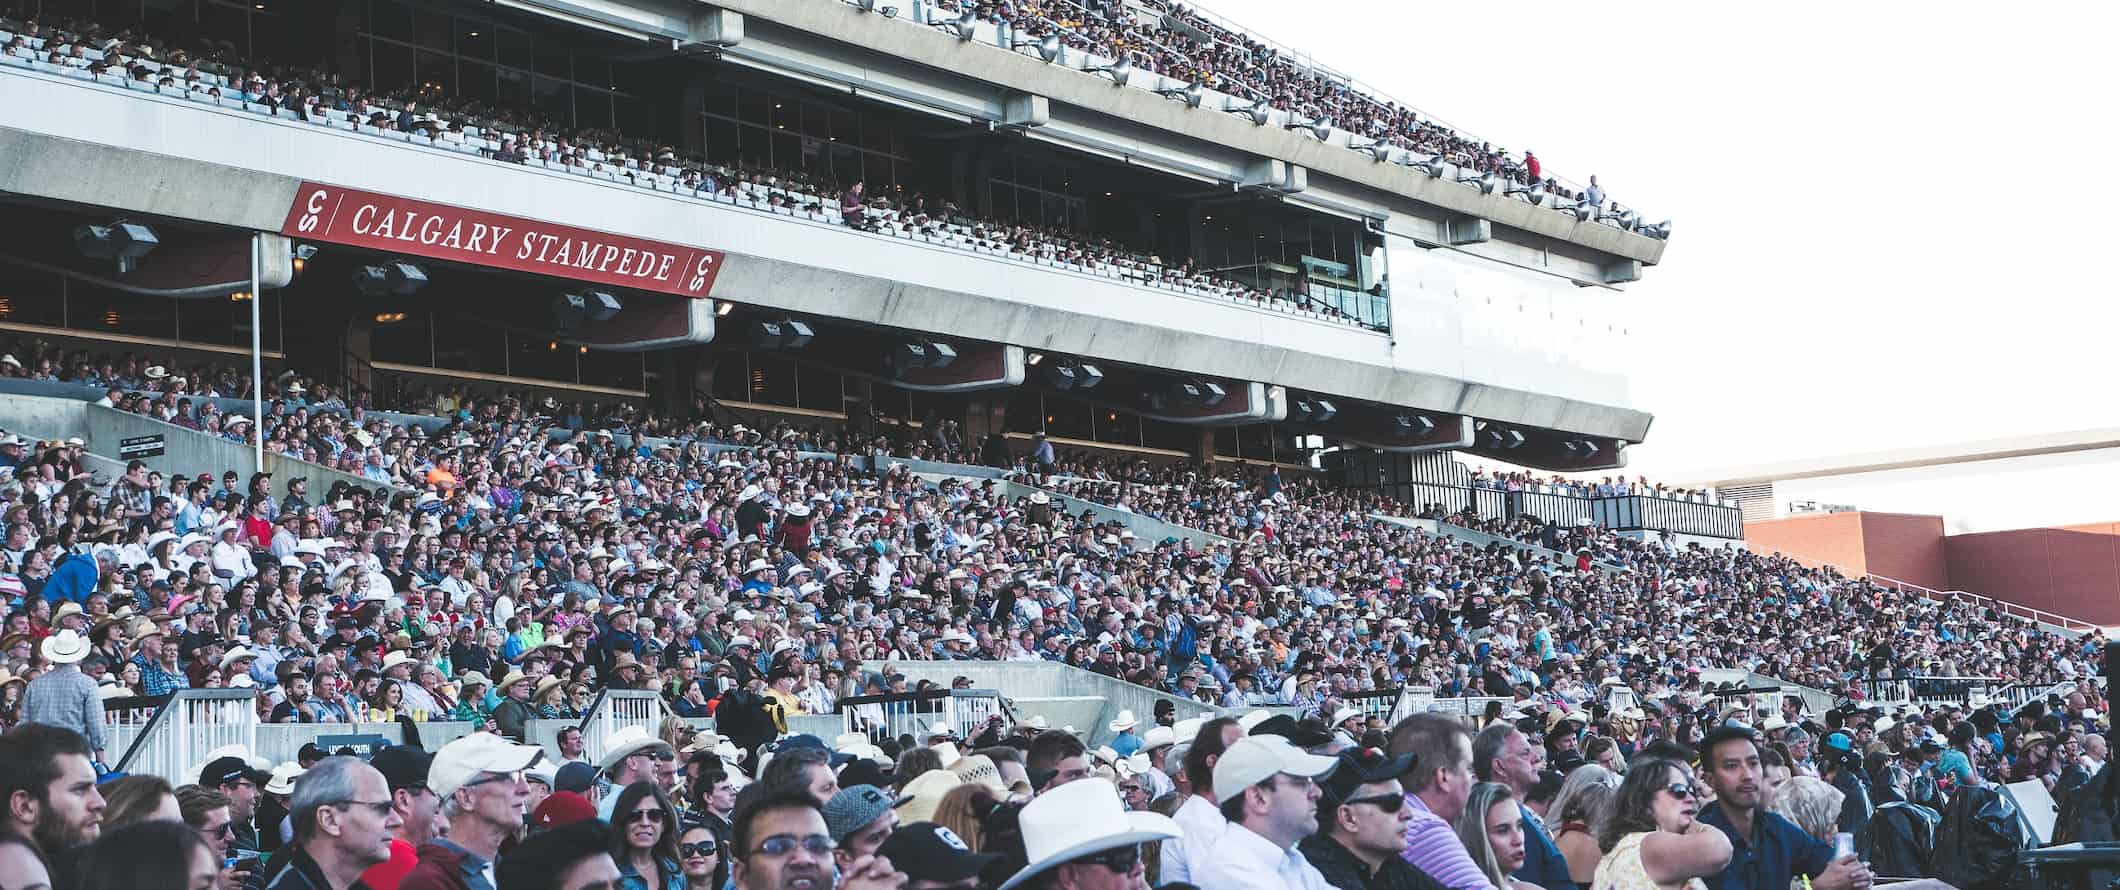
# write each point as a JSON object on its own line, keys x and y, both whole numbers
{"x": 406, "y": 342}
{"x": 466, "y": 344}
{"x": 438, "y": 70}
{"x": 605, "y": 368}
{"x": 731, "y": 373}
{"x": 432, "y": 30}
{"x": 592, "y": 108}
{"x": 1067, "y": 417}
{"x": 390, "y": 18}
{"x": 391, "y": 67}
{"x": 513, "y": 47}
{"x": 474, "y": 40}
{"x": 512, "y": 89}
{"x": 539, "y": 357}
{"x": 592, "y": 70}
{"x": 93, "y": 308}
{"x": 552, "y": 58}
{"x": 476, "y": 81}
{"x": 721, "y": 98}
{"x": 552, "y": 98}
{"x": 772, "y": 379}
{"x": 28, "y": 296}
{"x": 819, "y": 390}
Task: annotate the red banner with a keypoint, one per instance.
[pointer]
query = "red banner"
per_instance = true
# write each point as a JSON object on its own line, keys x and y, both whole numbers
{"x": 442, "y": 232}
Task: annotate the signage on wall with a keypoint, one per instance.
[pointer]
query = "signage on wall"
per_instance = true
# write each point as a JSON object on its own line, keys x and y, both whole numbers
{"x": 444, "y": 232}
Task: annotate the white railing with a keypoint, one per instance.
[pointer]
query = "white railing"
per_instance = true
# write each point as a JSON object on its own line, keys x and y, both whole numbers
{"x": 2073, "y": 625}
{"x": 170, "y": 740}
{"x": 965, "y": 711}
{"x": 616, "y": 709}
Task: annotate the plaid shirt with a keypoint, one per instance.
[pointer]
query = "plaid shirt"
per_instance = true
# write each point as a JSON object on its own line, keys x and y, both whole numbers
{"x": 156, "y": 681}
{"x": 66, "y": 698}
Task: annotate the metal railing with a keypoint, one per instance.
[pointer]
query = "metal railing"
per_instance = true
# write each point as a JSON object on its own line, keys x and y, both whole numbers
{"x": 168, "y": 736}
{"x": 616, "y": 709}
{"x": 1376, "y": 702}
{"x": 1930, "y": 690}
{"x": 2075, "y": 625}
{"x": 965, "y": 712}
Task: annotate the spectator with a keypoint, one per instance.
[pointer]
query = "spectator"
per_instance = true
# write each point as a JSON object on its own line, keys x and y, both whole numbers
{"x": 1269, "y": 794}
{"x": 150, "y": 855}
{"x": 1362, "y": 819}
{"x": 1812, "y": 805}
{"x": 575, "y": 856}
{"x": 1056, "y": 758}
{"x": 46, "y": 777}
{"x": 232, "y": 775}
{"x": 1651, "y": 836}
{"x": 343, "y": 821}
{"x": 1503, "y": 754}
{"x": 138, "y": 799}
{"x": 1767, "y": 850}
{"x": 479, "y": 781}
{"x": 1492, "y": 830}
{"x": 1436, "y": 792}
{"x": 934, "y": 858}
{"x": 21, "y": 863}
{"x": 859, "y": 818}
{"x": 644, "y": 840}
{"x": 1079, "y": 837}
{"x": 1577, "y": 814}
{"x": 630, "y": 757}
{"x": 64, "y": 697}
{"x": 704, "y": 856}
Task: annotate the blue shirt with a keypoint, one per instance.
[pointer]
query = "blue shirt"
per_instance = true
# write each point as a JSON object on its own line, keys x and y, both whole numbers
{"x": 72, "y": 581}
{"x": 1543, "y": 863}
{"x": 1769, "y": 860}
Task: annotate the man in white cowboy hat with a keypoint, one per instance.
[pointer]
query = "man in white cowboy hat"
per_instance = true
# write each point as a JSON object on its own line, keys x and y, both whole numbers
{"x": 1269, "y": 793}
{"x": 1126, "y": 742}
{"x": 1157, "y": 744}
{"x": 63, "y": 696}
{"x": 1081, "y": 837}
{"x": 630, "y": 756}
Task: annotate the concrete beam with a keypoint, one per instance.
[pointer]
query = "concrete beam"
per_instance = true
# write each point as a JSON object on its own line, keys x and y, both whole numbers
{"x": 1026, "y": 110}
{"x": 942, "y": 52}
{"x": 716, "y": 27}
{"x": 1470, "y": 230}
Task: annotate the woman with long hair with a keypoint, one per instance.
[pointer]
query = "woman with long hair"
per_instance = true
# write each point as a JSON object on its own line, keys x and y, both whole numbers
{"x": 1652, "y": 836}
{"x": 703, "y": 853}
{"x": 644, "y": 839}
{"x": 1575, "y": 816}
{"x": 1492, "y": 830}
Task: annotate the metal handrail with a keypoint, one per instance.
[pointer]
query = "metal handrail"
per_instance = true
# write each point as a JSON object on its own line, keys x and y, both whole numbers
{"x": 176, "y": 703}
{"x": 2007, "y": 608}
{"x": 133, "y": 703}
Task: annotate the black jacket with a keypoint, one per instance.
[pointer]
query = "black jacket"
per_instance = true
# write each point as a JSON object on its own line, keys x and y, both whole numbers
{"x": 1342, "y": 870}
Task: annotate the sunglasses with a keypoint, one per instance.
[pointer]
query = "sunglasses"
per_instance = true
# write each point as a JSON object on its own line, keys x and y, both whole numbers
{"x": 651, "y": 814}
{"x": 700, "y": 850}
{"x": 1120, "y": 860}
{"x": 1683, "y": 791}
{"x": 1389, "y": 803}
{"x": 783, "y": 844}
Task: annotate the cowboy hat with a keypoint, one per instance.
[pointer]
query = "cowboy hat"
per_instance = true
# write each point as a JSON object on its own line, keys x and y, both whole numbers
{"x": 236, "y": 654}
{"x": 626, "y": 742}
{"x": 395, "y": 658}
{"x": 1080, "y": 818}
{"x": 65, "y": 647}
{"x": 283, "y": 777}
{"x": 925, "y": 791}
{"x": 549, "y": 683}
{"x": 1125, "y": 721}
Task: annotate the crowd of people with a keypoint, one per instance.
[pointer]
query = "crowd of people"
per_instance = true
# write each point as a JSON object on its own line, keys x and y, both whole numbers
{"x": 1185, "y": 44}
{"x": 511, "y": 135}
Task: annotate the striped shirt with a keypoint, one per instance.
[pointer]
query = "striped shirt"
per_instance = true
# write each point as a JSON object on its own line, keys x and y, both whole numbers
{"x": 1432, "y": 846}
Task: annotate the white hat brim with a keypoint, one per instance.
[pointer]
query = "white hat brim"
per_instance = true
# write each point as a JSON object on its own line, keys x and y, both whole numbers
{"x": 1141, "y": 828}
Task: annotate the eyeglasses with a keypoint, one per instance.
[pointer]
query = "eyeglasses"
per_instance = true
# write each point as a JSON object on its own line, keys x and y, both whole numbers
{"x": 1683, "y": 791}
{"x": 651, "y": 814}
{"x": 1389, "y": 803}
{"x": 490, "y": 778}
{"x": 1120, "y": 860}
{"x": 225, "y": 829}
{"x": 380, "y": 808}
{"x": 783, "y": 844}
{"x": 699, "y": 850}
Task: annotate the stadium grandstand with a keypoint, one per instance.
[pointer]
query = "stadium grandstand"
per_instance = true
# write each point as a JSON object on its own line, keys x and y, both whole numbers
{"x": 620, "y": 399}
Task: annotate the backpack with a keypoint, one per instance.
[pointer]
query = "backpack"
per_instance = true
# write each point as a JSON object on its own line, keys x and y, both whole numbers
{"x": 1902, "y": 839}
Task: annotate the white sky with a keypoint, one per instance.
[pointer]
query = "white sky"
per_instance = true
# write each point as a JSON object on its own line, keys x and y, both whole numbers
{"x": 1887, "y": 216}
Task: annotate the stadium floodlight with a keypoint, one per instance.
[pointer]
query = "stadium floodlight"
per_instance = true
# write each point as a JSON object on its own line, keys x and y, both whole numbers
{"x": 1534, "y": 193}
{"x": 1481, "y": 182}
{"x": 1303, "y": 409}
{"x": 1191, "y": 94}
{"x": 1119, "y": 71}
{"x": 1319, "y": 128}
{"x": 907, "y": 355}
{"x": 1661, "y": 231}
{"x": 1258, "y": 111}
{"x": 1412, "y": 424}
{"x": 126, "y": 242}
{"x": 1582, "y": 448}
{"x": 1581, "y": 208}
{"x": 1048, "y": 47}
{"x": 1620, "y": 216}
{"x": 1433, "y": 165}
{"x": 1199, "y": 392}
{"x": 784, "y": 333}
{"x": 1378, "y": 151}
{"x": 1500, "y": 437}
{"x": 965, "y": 26}
{"x": 393, "y": 278}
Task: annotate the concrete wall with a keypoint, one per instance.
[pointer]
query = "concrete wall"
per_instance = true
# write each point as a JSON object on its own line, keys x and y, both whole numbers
{"x": 1032, "y": 681}
{"x": 2072, "y": 570}
{"x": 191, "y": 452}
{"x": 1813, "y": 538}
{"x": 84, "y": 142}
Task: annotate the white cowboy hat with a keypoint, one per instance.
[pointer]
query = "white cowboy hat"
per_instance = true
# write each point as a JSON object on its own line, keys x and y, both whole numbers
{"x": 1125, "y": 721}
{"x": 1080, "y": 818}
{"x": 283, "y": 777}
{"x": 1157, "y": 737}
{"x": 1253, "y": 719}
{"x": 1345, "y": 714}
{"x": 626, "y": 742}
{"x": 756, "y": 566}
{"x": 395, "y": 658}
{"x": 65, "y": 647}
{"x": 1038, "y": 723}
{"x": 234, "y": 655}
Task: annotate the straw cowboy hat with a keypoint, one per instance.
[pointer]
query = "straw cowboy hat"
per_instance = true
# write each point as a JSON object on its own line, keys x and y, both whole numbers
{"x": 1080, "y": 818}
{"x": 626, "y": 742}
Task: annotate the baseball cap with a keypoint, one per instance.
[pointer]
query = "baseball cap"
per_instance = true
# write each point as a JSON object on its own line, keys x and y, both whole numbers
{"x": 926, "y": 851}
{"x": 561, "y": 808}
{"x": 1254, "y": 759}
{"x": 223, "y": 770}
{"x": 462, "y": 760}
{"x": 1839, "y": 741}
{"x": 403, "y": 766}
{"x": 855, "y": 808}
{"x": 1361, "y": 767}
{"x": 576, "y": 777}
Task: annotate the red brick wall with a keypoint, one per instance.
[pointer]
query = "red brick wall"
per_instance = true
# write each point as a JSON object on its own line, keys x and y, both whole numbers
{"x": 2073, "y": 570}
{"x": 1907, "y": 547}
{"x": 1817, "y": 538}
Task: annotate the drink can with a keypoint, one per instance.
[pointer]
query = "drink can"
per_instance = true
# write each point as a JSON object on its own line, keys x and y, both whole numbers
{"x": 1843, "y": 846}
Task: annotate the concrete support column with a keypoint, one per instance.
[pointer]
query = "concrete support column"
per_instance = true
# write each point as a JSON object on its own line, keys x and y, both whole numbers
{"x": 1203, "y": 450}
